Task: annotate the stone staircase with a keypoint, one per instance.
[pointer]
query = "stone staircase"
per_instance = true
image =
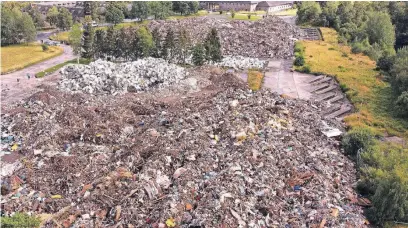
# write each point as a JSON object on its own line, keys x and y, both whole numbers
{"x": 326, "y": 89}
{"x": 310, "y": 34}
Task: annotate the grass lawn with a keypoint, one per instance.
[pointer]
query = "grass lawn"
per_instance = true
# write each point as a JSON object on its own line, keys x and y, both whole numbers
{"x": 58, "y": 66}
{"x": 61, "y": 36}
{"x": 245, "y": 17}
{"x": 16, "y": 57}
{"x": 371, "y": 96}
{"x": 288, "y": 12}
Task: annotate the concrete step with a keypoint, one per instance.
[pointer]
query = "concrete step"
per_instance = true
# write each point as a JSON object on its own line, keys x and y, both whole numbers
{"x": 326, "y": 79}
{"x": 325, "y": 96}
{"x": 328, "y": 89}
{"x": 332, "y": 109}
{"x": 320, "y": 87}
{"x": 340, "y": 112}
{"x": 336, "y": 98}
{"x": 316, "y": 78}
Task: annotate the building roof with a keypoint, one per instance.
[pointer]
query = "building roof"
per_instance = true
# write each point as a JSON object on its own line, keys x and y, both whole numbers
{"x": 273, "y": 3}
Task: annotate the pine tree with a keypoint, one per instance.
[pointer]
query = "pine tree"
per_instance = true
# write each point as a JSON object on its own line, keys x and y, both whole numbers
{"x": 198, "y": 55}
{"x": 110, "y": 41}
{"x": 213, "y": 46}
{"x": 99, "y": 44}
{"x": 121, "y": 47}
{"x": 183, "y": 46}
{"x": 157, "y": 43}
{"x": 88, "y": 39}
{"x": 169, "y": 45}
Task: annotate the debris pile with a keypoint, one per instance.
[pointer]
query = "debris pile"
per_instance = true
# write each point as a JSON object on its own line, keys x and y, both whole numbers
{"x": 267, "y": 38}
{"x": 103, "y": 77}
{"x": 240, "y": 62}
{"x": 224, "y": 156}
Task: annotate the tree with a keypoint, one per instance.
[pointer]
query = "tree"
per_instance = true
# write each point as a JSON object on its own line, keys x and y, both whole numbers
{"x": 90, "y": 9}
{"x": 198, "y": 55}
{"x": 401, "y": 104}
{"x": 380, "y": 29}
{"x": 75, "y": 38}
{"x": 160, "y": 10}
{"x": 157, "y": 39}
{"x": 122, "y": 45}
{"x": 329, "y": 13}
{"x": 399, "y": 70}
{"x": 27, "y": 31}
{"x": 169, "y": 45}
{"x": 9, "y": 26}
{"x": 232, "y": 13}
{"x": 212, "y": 46}
{"x": 309, "y": 12}
{"x": 64, "y": 19}
{"x": 37, "y": 17}
{"x": 88, "y": 39}
{"x": 140, "y": 10}
{"x": 99, "y": 44}
{"x": 399, "y": 16}
{"x": 193, "y": 6}
{"x": 145, "y": 41}
{"x": 52, "y": 16}
{"x": 183, "y": 46}
{"x": 110, "y": 41}
{"x": 113, "y": 14}
{"x": 181, "y": 7}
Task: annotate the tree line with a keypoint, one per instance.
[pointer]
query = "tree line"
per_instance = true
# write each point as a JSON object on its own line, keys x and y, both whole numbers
{"x": 133, "y": 43}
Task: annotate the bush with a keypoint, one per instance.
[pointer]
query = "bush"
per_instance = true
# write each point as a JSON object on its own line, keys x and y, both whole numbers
{"x": 358, "y": 48}
{"x": 232, "y": 13}
{"x": 384, "y": 63}
{"x": 221, "y": 12}
{"x": 20, "y": 220}
{"x": 356, "y": 139}
{"x": 402, "y": 104}
{"x": 45, "y": 47}
{"x": 299, "y": 61}
{"x": 305, "y": 69}
{"x": 249, "y": 16}
{"x": 299, "y": 48}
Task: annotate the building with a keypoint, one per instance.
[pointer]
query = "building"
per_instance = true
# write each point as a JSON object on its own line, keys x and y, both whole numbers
{"x": 268, "y": 6}
{"x": 229, "y": 5}
{"x": 273, "y": 6}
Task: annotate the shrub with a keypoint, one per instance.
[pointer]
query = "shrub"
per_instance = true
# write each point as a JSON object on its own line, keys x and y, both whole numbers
{"x": 232, "y": 13}
{"x": 249, "y": 16}
{"x": 305, "y": 69}
{"x": 221, "y": 12}
{"x": 358, "y": 48}
{"x": 45, "y": 47}
{"x": 198, "y": 55}
{"x": 390, "y": 201}
{"x": 402, "y": 104}
{"x": 299, "y": 48}
{"x": 299, "y": 61}
{"x": 385, "y": 63}
{"x": 344, "y": 87}
{"x": 331, "y": 49}
{"x": 20, "y": 220}
{"x": 356, "y": 139}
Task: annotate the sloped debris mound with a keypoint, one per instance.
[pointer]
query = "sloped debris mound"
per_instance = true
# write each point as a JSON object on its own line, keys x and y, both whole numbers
{"x": 103, "y": 77}
{"x": 267, "y": 38}
{"x": 224, "y": 156}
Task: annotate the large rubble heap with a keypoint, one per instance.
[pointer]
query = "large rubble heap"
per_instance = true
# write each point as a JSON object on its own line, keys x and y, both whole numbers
{"x": 224, "y": 156}
{"x": 267, "y": 38}
{"x": 112, "y": 78}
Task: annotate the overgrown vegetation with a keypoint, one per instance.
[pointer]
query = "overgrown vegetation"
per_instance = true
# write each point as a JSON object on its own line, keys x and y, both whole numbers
{"x": 16, "y": 57}
{"x": 61, "y": 36}
{"x": 255, "y": 80}
{"x": 59, "y": 66}
{"x": 383, "y": 165}
{"x": 20, "y": 220}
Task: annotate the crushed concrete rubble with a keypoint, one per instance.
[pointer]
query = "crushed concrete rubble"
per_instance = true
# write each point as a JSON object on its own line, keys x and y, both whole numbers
{"x": 267, "y": 38}
{"x": 241, "y": 62}
{"x": 103, "y": 77}
{"x": 220, "y": 157}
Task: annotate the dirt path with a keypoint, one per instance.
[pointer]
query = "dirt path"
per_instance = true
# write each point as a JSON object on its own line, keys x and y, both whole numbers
{"x": 13, "y": 91}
